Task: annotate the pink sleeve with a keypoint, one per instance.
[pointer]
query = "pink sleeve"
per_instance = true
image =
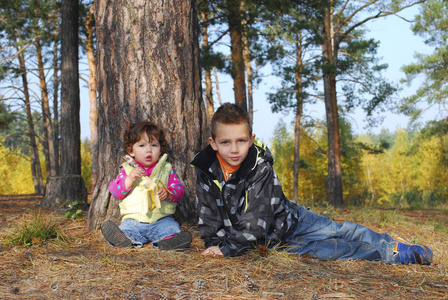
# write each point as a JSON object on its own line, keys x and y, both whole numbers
{"x": 175, "y": 187}
{"x": 117, "y": 187}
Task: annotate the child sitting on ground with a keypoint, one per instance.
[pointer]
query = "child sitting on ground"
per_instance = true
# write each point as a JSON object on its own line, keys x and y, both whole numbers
{"x": 148, "y": 191}
{"x": 241, "y": 204}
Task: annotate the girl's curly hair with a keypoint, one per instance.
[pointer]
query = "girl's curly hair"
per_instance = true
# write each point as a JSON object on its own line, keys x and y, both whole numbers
{"x": 135, "y": 132}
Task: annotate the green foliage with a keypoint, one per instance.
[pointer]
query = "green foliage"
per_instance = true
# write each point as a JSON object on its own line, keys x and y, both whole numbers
{"x": 41, "y": 230}
{"x": 5, "y": 116}
{"x": 16, "y": 136}
{"x": 73, "y": 211}
{"x": 431, "y": 24}
{"x": 283, "y": 151}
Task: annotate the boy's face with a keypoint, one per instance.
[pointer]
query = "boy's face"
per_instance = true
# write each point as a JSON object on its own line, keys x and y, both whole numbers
{"x": 146, "y": 151}
{"x": 232, "y": 141}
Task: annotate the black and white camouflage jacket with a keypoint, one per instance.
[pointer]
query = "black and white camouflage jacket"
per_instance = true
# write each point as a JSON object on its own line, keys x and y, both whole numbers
{"x": 249, "y": 209}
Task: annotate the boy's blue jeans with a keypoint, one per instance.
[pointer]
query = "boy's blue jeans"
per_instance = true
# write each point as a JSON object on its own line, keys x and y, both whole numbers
{"x": 319, "y": 237}
{"x": 142, "y": 233}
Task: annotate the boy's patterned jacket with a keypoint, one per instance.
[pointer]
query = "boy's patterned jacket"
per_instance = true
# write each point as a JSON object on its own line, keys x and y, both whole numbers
{"x": 249, "y": 209}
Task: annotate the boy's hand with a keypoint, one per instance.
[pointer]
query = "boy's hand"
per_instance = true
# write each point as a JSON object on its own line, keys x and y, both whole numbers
{"x": 214, "y": 250}
{"x": 162, "y": 193}
{"x": 134, "y": 175}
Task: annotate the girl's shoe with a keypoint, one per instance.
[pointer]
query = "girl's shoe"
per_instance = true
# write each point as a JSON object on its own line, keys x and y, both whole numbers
{"x": 179, "y": 240}
{"x": 114, "y": 235}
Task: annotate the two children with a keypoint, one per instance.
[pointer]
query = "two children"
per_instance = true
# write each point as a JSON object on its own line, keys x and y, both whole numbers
{"x": 148, "y": 190}
{"x": 240, "y": 203}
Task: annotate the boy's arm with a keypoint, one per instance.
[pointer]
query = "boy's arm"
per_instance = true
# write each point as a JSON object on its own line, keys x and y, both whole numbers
{"x": 175, "y": 187}
{"x": 210, "y": 220}
{"x": 257, "y": 214}
{"x": 117, "y": 187}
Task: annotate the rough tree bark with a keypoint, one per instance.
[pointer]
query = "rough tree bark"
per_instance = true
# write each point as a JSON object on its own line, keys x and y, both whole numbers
{"x": 148, "y": 69}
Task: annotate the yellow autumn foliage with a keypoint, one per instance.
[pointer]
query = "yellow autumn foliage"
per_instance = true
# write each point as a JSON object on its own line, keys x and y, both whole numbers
{"x": 15, "y": 173}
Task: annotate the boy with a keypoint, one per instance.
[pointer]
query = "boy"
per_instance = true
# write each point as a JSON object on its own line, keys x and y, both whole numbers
{"x": 241, "y": 203}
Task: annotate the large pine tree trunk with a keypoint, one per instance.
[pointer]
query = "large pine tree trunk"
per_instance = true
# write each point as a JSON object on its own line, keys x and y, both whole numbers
{"x": 148, "y": 69}
{"x": 68, "y": 187}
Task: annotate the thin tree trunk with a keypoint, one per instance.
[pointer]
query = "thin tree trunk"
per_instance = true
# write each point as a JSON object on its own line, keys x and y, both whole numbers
{"x": 55, "y": 100}
{"x": 148, "y": 69}
{"x": 92, "y": 92}
{"x": 248, "y": 67}
{"x": 48, "y": 130}
{"x": 36, "y": 170}
{"x": 208, "y": 76}
{"x": 333, "y": 182}
{"x": 218, "y": 91}
{"x": 236, "y": 49}
{"x": 297, "y": 128}
{"x": 369, "y": 179}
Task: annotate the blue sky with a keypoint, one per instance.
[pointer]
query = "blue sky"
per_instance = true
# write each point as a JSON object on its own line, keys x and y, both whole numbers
{"x": 397, "y": 48}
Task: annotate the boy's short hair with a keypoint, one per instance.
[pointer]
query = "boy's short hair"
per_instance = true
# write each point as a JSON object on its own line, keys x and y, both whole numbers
{"x": 230, "y": 113}
{"x": 134, "y": 135}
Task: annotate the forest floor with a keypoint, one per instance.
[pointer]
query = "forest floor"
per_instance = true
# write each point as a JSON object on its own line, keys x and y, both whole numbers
{"x": 84, "y": 267}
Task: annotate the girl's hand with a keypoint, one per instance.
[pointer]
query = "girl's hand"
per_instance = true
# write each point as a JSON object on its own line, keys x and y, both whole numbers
{"x": 162, "y": 193}
{"x": 133, "y": 176}
{"x": 214, "y": 250}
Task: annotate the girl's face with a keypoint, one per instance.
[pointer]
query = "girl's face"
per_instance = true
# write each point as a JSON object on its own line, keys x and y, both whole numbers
{"x": 146, "y": 151}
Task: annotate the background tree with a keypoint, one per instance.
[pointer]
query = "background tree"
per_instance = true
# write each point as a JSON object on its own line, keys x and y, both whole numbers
{"x": 342, "y": 21}
{"x": 63, "y": 190}
{"x": 290, "y": 35}
{"x": 16, "y": 27}
{"x": 42, "y": 25}
{"x": 153, "y": 77}
{"x": 88, "y": 28}
{"x": 431, "y": 24}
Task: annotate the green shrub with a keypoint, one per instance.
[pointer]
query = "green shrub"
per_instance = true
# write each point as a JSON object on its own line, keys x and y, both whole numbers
{"x": 38, "y": 232}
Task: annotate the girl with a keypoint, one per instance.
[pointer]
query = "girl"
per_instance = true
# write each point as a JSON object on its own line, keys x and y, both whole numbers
{"x": 148, "y": 191}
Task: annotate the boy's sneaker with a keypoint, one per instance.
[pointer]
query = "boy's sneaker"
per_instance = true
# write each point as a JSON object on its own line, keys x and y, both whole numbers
{"x": 407, "y": 253}
{"x": 179, "y": 240}
{"x": 114, "y": 235}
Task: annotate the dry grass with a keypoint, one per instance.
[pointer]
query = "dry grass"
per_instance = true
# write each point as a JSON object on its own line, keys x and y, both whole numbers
{"x": 86, "y": 268}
